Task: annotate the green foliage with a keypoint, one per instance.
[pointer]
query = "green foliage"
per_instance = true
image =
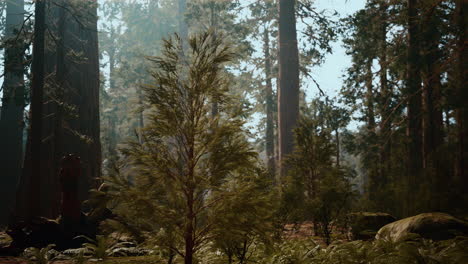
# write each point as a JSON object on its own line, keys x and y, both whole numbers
{"x": 316, "y": 189}
{"x": 190, "y": 171}
{"x": 42, "y": 255}
{"x": 238, "y": 231}
{"x": 293, "y": 252}
{"x": 100, "y": 247}
{"x": 412, "y": 250}
{"x": 80, "y": 259}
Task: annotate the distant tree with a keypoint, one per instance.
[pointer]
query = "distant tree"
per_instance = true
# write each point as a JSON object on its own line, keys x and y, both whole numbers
{"x": 12, "y": 107}
{"x": 129, "y": 31}
{"x": 264, "y": 12}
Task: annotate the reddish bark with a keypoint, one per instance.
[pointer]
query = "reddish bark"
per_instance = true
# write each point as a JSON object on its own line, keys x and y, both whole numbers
{"x": 69, "y": 179}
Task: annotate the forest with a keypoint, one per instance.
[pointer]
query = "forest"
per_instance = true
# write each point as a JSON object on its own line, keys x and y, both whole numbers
{"x": 233, "y": 131}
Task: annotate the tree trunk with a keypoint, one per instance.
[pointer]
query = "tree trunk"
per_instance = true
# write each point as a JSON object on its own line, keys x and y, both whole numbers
{"x": 36, "y": 110}
{"x": 11, "y": 118}
{"x": 189, "y": 229}
{"x": 75, "y": 85}
{"x": 112, "y": 133}
{"x": 270, "y": 132}
{"x": 462, "y": 111}
{"x": 370, "y": 99}
{"x": 432, "y": 112}
{"x": 413, "y": 86}
{"x": 288, "y": 93}
{"x": 369, "y": 178}
{"x": 337, "y": 139}
{"x": 385, "y": 123}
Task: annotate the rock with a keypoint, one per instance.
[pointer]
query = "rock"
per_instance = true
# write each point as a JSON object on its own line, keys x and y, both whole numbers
{"x": 435, "y": 226}
{"x": 364, "y": 225}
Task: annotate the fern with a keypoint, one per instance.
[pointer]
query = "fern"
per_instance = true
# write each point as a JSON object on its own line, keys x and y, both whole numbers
{"x": 41, "y": 255}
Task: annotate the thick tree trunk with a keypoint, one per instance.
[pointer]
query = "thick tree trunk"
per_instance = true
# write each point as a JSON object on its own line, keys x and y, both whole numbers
{"x": 288, "y": 93}
{"x": 11, "y": 118}
{"x": 270, "y": 130}
{"x": 36, "y": 110}
{"x": 413, "y": 86}
{"x": 73, "y": 82}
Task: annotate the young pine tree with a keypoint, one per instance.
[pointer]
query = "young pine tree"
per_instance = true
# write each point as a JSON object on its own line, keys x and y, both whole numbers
{"x": 187, "y": 162}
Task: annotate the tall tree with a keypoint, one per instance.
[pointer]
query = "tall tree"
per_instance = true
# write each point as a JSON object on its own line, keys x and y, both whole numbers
{"x": 70, "y": 119}
{"x": 38, "y": 79}
{"x": 462, "y": 94}
{"x": 431, "y": 73}
{"x": 269, "y": 107}
{"x": 288, "y": 91}
{"x": 385, "y": 95}
{"x": 13, "y": 102}
{"x": 413, "y": 93}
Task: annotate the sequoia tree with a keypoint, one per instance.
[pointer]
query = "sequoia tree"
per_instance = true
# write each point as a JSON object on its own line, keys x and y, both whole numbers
{"x": 70, "y": 119}
{"x": 288, "y": 91}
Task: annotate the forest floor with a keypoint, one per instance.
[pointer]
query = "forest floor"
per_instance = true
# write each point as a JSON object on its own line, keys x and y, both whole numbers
{"x": 292, "y": 231}
{"x": 306, "y": 230}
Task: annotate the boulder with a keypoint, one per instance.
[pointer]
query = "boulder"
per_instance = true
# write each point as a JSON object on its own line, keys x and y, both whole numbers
{"x": 364, "y": 225}
{"x": 435, "y": 226}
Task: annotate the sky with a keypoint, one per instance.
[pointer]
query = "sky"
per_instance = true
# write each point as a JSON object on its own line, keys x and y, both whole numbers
{"x": 329, "y": 74}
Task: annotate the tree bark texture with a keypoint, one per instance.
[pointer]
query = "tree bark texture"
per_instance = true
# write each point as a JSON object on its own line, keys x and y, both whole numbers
{"x": 38, "y": 79}
{"x": 70, "y": 124}
{"x": 288, "y": 93}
